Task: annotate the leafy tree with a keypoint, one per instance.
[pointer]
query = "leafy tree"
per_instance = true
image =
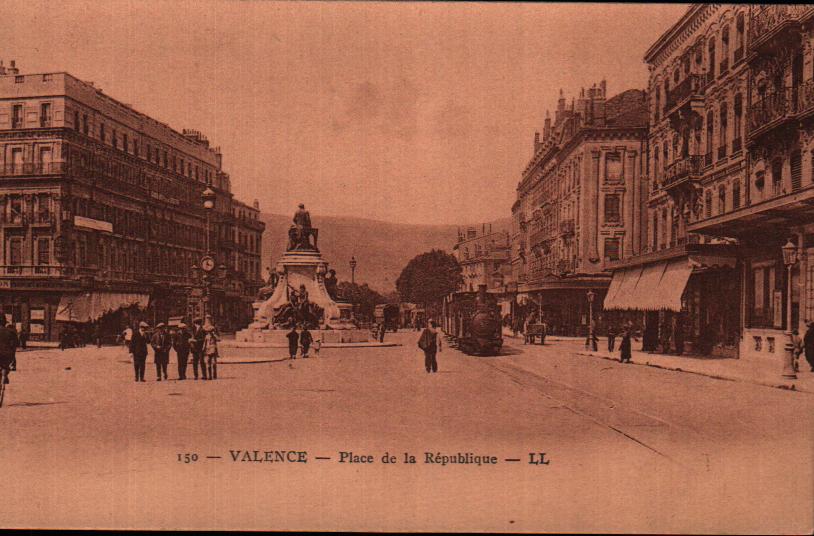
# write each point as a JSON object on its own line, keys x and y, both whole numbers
{"x": 365, "y": 298}
{"x": 429, "y": 277}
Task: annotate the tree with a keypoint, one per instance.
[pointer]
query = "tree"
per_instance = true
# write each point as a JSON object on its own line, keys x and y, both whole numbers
{"x": 429, "y": 277}
{"x": 365, "y": 298}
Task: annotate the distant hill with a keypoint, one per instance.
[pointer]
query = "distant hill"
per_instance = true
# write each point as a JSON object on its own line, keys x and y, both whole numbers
{"x": 382, "y": 249}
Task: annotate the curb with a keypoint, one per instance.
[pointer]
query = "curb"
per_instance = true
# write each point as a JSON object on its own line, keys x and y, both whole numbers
{"x": 785, "y": 387}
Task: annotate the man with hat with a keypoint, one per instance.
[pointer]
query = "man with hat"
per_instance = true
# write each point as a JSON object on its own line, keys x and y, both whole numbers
{"x": 196, "y": 342}
{"x": 138, "y": 349}
{"x": 161, "y": 344}
{"x": 180, "y": 342}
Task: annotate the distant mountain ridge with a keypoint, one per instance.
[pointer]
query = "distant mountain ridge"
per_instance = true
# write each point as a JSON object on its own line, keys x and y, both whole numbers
{"x": 382, "y": 249}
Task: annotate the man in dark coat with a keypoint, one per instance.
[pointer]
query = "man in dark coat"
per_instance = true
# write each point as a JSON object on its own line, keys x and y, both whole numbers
{"x": 305, "y": 341}
{"x": 626, "y": 347}
{"x": 293, "y": 342}
{"x": 138, "y": 349}
{"x": 161, "y": 343}
{"x": 808, "y": 343}
{"x": 196, "y": 347}
{"x": 611, "y": 337}
{"x": 8, "y": 348}
{"x": 180, "y": 342}
{"x": 430, "y": 343}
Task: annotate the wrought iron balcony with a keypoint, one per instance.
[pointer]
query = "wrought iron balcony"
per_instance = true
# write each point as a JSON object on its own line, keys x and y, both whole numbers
{"x": 805, "y": 98}
{"x": 768, "y": 22}
{"x": 43, "y": 168}
{"x": 692, "y": 86}
{"x": 682, "y": 171}
{"x": 771, "y": 111}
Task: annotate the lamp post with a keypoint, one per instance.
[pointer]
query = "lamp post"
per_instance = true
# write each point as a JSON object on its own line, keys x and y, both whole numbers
{"x": 591, "y": 338}
{"x": 207, "y": 263}
{"x": 353, "y": 264}
{"x": 789, "y": 259}
{"x": 208, "y": 197}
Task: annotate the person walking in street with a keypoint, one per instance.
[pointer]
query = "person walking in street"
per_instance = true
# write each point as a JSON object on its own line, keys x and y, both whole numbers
{"x": 305, "y": 341}
{"x": 8, "y": 348}
{"x": 97, "y": 335}
{"x": 808, "y": 343}
{"x": 24, "y": 333}
{"x": 211, "y": 350}
{"x": 611, "y": 338}
{"x": 430, "y": 343}
{"x": 196, "y": 344}
{"x": 138, "y": 349}
{"x": 382, "y": 330}
{"x": 797, "y": 348}
{"x": 626, "y": 347}
{"x": 161, "y": 343}
{"x": 180, "y": 343}
{"x": 293, "y": 342}
{"x": 317, "y": 346}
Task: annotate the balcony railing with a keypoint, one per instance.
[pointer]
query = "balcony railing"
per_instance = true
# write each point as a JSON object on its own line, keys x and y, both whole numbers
{"x": 16, "y": 123}
{"x": 687, "y": 167}
{"x": 773, "y": 107}
{"x": 767, "y": 19}
{"x": 42, "y": 168}
{"x": 805, "y": 97}
{"x": 567, "y": 227}
{"x": 45, "y": 122}
{"x": 691, "y": 85}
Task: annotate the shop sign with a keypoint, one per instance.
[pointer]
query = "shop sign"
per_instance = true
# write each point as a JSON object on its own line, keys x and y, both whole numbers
{"x": 37, "y": 329}
{"x": 37, "y": 314}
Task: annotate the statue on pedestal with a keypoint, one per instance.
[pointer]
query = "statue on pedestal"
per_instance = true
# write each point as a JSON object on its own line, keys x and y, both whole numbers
{"x": 299, "y": 234}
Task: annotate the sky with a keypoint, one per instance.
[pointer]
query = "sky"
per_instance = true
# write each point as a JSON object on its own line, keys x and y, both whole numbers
{"x": 404, "y": 112}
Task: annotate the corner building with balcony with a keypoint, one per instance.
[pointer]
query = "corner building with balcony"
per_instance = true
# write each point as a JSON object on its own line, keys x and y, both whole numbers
{"x": 773, "y": 204}
{"x": 579, "y": 206}
{"x": 101, "y": 217}
{"x": 686, "y": 285}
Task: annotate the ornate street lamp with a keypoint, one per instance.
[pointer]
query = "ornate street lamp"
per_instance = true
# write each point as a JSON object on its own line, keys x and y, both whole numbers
{"x": 591, "y": 336}
{"x": 208, "y": 197}
{"x": 353, "y": 264}
{"x": 789, "y": 259}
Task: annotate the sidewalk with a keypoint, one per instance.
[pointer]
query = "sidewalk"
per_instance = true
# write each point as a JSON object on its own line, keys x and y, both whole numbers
{"x": 758, "y": 371}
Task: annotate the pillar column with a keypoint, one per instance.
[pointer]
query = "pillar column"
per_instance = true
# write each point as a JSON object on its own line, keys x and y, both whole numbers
{"x": 591, "y": 204}
{"x": 630, "y": 219}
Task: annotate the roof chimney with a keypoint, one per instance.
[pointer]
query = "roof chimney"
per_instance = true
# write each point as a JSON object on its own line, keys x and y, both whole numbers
{"x": 536, "y": 142}
{"x": 12, "y": 69}
{"x": 598, "y": 105}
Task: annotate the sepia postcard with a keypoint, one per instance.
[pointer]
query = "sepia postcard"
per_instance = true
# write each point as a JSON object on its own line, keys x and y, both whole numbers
{"x": 407, "y": 266}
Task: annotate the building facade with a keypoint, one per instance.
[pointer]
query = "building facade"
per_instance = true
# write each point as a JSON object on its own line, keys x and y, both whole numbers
{"x": 484, "y": 258}
{"x": 578, "y": 205}
{"x": 101, "y": 210}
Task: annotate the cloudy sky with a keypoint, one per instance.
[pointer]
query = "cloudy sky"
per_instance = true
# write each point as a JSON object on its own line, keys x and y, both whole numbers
{"x": 413, "y": 112}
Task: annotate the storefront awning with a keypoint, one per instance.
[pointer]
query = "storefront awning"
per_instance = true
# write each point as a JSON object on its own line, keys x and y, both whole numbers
{"x": 90, "y": 306}
{"x": 651, "y": 287}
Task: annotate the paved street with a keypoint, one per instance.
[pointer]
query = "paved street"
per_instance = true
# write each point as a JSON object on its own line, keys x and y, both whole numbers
{"x": 630, "y": 447}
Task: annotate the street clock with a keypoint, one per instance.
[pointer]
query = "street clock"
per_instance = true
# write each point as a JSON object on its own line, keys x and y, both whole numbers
{"x": 207, "y": 264}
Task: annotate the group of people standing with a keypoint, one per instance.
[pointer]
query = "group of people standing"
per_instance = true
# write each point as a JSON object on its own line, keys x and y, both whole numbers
{"x": 201, "y": 341}
{"x": 302, "y": 340}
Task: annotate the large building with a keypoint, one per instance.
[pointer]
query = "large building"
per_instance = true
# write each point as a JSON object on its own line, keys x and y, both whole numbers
{"x": 484, "y": 258}
{"x": 579, "y": 205}
{"x": 687, "y": 283}
{"x": 102, "y": 210}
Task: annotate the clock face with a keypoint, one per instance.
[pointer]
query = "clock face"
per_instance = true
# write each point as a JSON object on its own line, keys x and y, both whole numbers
{"x": 207, "y": 263}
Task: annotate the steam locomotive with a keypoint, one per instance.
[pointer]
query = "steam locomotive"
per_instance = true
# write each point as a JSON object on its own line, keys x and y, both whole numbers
{"x": 472, "y": 321}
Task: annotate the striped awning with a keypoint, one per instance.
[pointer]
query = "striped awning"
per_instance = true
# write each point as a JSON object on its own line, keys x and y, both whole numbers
{"x": 651, "y": 287}
{"x": 89, "y": 306}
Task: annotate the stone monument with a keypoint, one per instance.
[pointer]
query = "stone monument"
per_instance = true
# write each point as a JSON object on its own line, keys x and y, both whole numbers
{"x": 301, "y": 291}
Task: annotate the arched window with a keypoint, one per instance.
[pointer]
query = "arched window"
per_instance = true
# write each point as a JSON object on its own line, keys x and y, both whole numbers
{"x": 711, "y": 59}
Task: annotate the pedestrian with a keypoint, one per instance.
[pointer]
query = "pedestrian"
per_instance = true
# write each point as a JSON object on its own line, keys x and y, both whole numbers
{"x": 293, "y": 342}
{"x": 8, "y": 348}
{"x": 196, "y": 343}
{"x": 382, "y": 329}
{"x": 305, "y": 341}
{"x": 797, "y": 348}
{"x": 24, "y": 333}
{"x": 161, "y": 343}
{"x": 626, "y": 347}
{"x": 16, "y": 345}
{"x": 97, "y": 335}
{"x": 543, "y": 331}
{"x": 808, "y": 343}
{"x": 611, "y": 338}
{"x": 138, "y": 349}
{"x": 211, "y": 350}
{"x": 430, "y": 343}
{"x": 317, "y": 346}
{"x": 181, "y": 345}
